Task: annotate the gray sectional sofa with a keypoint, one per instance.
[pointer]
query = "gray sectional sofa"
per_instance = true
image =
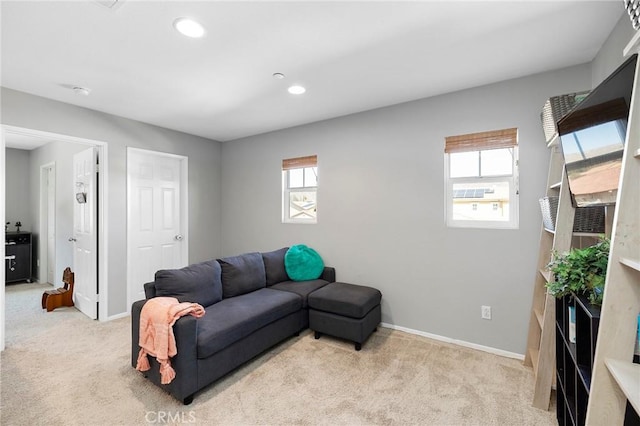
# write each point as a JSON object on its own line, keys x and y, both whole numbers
{"x": 250, "y": 303}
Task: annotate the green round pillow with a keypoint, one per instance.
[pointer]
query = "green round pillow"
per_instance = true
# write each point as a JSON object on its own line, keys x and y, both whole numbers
{"x": 303, "y": 263}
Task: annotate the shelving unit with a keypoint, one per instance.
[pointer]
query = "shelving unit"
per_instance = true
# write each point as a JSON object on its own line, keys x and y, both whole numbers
{"x": 540, "y": 353}
{"x": 574, "y": 360}
{"x": 627, "y": 375}
{"x": 615, "y": 378}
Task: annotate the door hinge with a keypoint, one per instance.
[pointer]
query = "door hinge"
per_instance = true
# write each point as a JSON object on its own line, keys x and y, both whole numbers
{"x": 97, "y": 168}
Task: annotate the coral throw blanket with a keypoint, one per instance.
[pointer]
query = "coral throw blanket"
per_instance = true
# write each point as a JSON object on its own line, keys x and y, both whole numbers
{"x": 156, "y": 332}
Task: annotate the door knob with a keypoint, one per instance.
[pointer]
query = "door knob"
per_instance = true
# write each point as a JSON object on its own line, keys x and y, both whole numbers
{"x": 73, "y": 240}
{"x": 179, "y": 237}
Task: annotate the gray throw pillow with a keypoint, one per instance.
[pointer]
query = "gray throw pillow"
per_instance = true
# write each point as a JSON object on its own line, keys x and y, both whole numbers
{"x": 242, "y": 274}
{"x": 274, "y": 266}
{"x": 198, "y": 283}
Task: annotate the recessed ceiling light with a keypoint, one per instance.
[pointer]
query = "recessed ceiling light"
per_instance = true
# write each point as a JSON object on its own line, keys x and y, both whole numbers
{"x": 278, "y": 75}
{"x": 296, "y": 90}
{"x": 188, "y": 27}
{"x": 81, "y": 90}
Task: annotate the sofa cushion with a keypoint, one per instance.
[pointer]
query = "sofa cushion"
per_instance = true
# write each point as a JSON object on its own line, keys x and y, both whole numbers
{"x": 233, "y": 319}
{"x": 198, "y": 283}
{"x": 303, "y": 263}
{"x": 274, "y": 266}
{"x": 349, "y": 300}
{"x": 242, "y": 274}
{"x": 301, "y": 288}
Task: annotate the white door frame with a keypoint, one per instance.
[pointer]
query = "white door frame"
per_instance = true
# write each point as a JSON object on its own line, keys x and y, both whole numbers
{"x": 103, "y": 209}
{"x": 43, "y": 248}
{"x": 184, "y": 211}
{"x": 2, "y": 220}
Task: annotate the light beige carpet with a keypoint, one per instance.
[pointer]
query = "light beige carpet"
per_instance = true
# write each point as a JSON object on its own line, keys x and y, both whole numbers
{"x": 60, "y": 368}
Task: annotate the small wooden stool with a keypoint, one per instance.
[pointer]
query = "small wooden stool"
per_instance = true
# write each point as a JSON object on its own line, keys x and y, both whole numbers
{"x": 62, "y": 296}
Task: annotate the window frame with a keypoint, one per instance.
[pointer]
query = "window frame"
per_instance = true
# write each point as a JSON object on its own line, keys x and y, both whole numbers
{"x": 511, "y": 179}
{"x": 287, "y": 190}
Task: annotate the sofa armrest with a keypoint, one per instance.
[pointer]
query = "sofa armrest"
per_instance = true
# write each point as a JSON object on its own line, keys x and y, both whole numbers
{"x": 328, "y": 274}
{"x": 184, "y": 330}
{"x": 150, "y": 289}
{"x": 136, "y": 309}
{"x": 185, "y": 363}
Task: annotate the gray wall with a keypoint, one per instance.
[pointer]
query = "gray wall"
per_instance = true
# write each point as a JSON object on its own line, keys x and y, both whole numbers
{"x": 381, "y": 211}
{"x": 381, "y": 206}
{"x": 381, "y": 202}
{"x": 60, "y": 153}
{"x": 610, "y": 54}
{"x": 17, "y": 178}
{"x": 33, "y": 112}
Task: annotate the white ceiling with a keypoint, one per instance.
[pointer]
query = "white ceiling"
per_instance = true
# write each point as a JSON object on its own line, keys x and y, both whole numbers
{"x": 351, "y": 56}
{"x": 27, "y": 142}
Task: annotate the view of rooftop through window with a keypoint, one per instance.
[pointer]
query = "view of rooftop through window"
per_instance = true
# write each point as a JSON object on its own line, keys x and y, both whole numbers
{"x": 481, "y": 184}
{"x": 300, "y": 184}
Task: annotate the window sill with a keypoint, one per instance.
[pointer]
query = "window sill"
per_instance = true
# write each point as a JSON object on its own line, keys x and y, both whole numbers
{"x": 483, "y": 225}
{"x": 299, "y": 222}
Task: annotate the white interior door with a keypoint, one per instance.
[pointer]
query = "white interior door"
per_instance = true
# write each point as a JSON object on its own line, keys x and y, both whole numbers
{"x": 85, "y": 236}
{"x": 156, "y": 220}
{"x": 51, "y": 225}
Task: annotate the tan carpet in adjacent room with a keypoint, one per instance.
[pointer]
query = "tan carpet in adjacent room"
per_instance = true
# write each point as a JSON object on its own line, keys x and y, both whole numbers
{"x": 60, "y": 368}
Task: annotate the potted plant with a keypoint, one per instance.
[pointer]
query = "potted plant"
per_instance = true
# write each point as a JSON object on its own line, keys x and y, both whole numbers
{"x": 580, "y": 271}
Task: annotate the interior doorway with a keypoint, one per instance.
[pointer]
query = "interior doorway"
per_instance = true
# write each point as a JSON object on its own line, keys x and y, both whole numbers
{"x": 46, "y": 230}
{"x": 47, "y": 248}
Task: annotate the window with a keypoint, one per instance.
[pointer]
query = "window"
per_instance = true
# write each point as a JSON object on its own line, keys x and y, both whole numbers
{"x": 299, "y": 189}
{"x": 482, "y": 179}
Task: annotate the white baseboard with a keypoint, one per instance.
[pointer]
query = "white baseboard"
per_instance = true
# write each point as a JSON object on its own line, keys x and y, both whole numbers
{"x": 116, "y": 316}
{"x": 488, "y": 349}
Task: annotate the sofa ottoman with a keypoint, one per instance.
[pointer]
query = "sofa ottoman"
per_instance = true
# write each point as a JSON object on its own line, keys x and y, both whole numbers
{"x": 345, "y": 310}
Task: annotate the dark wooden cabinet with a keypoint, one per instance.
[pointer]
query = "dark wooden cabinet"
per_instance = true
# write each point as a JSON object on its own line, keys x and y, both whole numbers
{"x": 17, "y": 247}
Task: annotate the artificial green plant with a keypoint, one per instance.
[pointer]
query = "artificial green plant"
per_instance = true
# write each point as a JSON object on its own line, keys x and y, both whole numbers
{"x": 580, "y": 271}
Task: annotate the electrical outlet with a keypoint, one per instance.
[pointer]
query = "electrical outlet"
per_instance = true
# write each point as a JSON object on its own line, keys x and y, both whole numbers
{"x": 486, "y": 312}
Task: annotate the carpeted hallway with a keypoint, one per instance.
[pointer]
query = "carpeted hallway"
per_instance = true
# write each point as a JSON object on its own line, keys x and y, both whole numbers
{"x": 60, "y": 368}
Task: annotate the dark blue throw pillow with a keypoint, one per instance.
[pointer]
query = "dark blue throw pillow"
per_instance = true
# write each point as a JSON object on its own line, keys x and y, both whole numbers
{"x": 274, "y": 266}
{"x": 197, "y": 283}
{"x": 242, "y": 274}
